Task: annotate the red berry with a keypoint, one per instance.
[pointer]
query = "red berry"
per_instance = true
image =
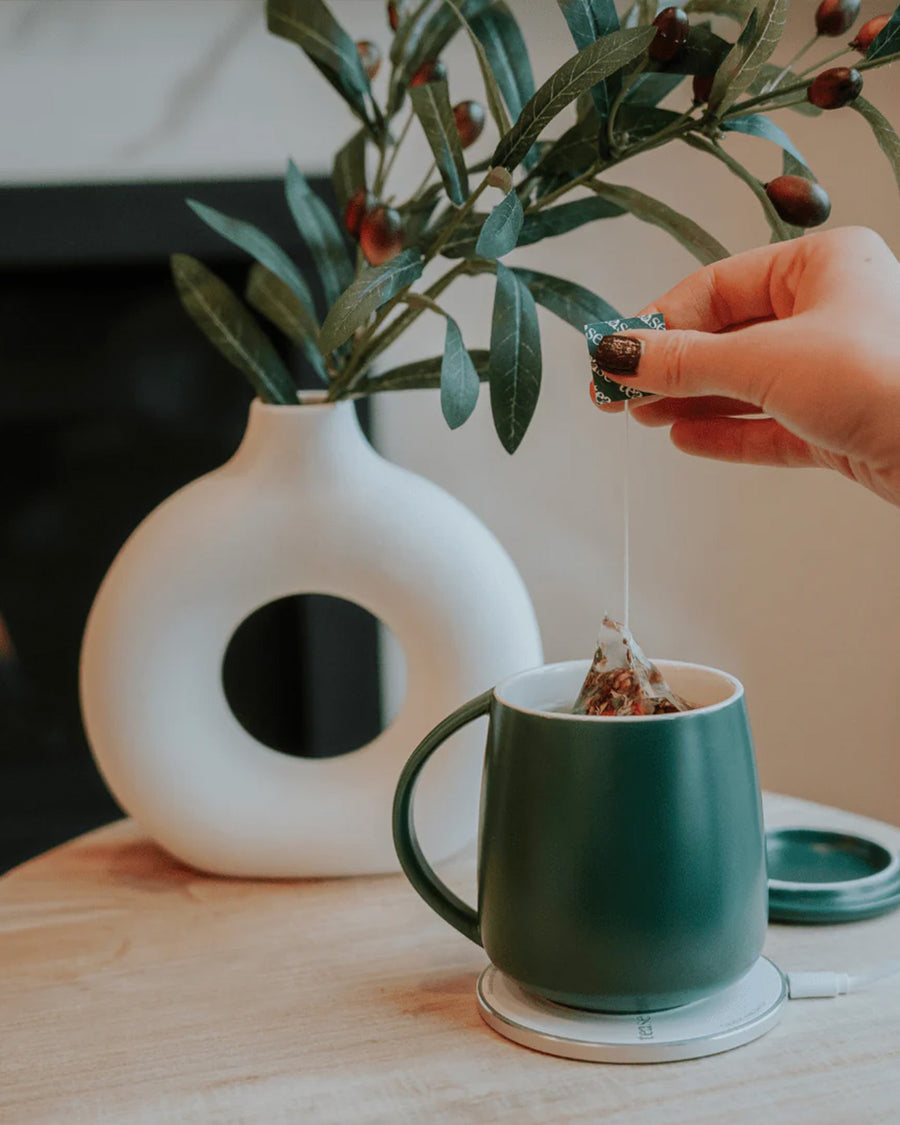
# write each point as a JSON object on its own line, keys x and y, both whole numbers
{"x": 431, "y": 71}
{"x": 381, "y": 235}
{"x": 868, "y": 32}
{"x": 835, "y": 87}
{"x": 370, "y": 54}
{"x": 799, "y": 201}
{"x": 702, "y": 87}
{"x": 359, "y": 203}
{"x": 397, "y": 11}
{"x": 673, "y": 28}
{"x": 469, "y": 118}
{"x": 833, "y": 17}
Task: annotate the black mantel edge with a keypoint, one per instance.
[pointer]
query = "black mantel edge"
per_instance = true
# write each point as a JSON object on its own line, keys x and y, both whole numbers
{"x": 98, "y": 224}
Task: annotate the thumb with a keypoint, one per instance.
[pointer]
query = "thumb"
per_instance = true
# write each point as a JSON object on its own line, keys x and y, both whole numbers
{"x": 685, "y": 363}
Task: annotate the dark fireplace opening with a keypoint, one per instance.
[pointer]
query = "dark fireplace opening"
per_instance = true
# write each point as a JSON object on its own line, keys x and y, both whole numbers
{"x": 110, "y": 400}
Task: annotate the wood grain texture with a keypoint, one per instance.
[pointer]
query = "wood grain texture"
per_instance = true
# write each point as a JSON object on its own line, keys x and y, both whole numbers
{"x": 136, "y": 991}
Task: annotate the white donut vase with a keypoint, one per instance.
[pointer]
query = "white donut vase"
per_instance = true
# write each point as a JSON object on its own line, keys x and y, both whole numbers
{"x": 304, "y": 506}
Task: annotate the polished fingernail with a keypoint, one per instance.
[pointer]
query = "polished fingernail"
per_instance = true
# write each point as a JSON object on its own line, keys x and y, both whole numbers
{"x": 619, "y": 355}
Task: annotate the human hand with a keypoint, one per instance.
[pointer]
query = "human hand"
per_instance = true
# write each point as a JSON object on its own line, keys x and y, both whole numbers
{"x": 785, "y": 355}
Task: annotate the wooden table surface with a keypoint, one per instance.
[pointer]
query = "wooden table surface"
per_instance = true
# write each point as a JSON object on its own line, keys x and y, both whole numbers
{"x": 135, "y": 990}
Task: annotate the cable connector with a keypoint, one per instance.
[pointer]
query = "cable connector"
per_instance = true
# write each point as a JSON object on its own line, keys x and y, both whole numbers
{"x": 804, "y": 986}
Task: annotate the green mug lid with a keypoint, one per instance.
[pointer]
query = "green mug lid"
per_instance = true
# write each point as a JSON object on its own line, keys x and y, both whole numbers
{"x": 820, "y": 876}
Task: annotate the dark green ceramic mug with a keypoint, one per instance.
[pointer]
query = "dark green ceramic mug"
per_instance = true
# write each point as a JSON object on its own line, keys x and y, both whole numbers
{"x": 621, "y": 861}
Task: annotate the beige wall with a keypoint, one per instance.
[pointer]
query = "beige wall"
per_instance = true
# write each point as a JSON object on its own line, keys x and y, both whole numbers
{"x": 790, "y": 580}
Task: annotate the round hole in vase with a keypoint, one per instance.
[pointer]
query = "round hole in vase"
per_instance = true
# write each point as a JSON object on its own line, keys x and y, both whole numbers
{"x": 313, "y": 676}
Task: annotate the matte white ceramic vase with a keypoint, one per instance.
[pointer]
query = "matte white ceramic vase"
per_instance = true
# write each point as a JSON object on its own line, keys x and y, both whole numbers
{"x": 304, "y": 506}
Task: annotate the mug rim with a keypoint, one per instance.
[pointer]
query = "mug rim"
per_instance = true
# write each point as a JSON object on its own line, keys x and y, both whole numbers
{"x": 737, "y": 693}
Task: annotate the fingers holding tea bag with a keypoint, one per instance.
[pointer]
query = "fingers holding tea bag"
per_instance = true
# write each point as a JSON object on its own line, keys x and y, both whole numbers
{"x": 609, "y": 353}
{"x": 622, "y": 681}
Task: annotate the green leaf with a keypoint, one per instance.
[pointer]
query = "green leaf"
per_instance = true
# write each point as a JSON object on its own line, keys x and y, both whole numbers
{"x": 269, "y": 295}
{"x": 577, "y": 148}
{"x": 758, "y": 125}
{"x": 431, "y": 103}
{"x": 499, "y": 34}
{"x": 759, "y": 38}
{"x": 730, "y": 67}
{"x": 370, "y": 290}
{"x": 650, "y": 89}
{"x": 887, "y": 41}
{"x": 565, "y": 217}
{"x": 310, "y": 24}
{"x": 790, "y": 166}
{"x": 459, "y": 379}
{"x": 501, "y": 228}
{"x": 578, "y": 74}
{"x": 643, "y": 122}
{"x": 232, "y": 329}
{"x": 588, "y": 21}
{"x": 349, "y": 172}
{"x": 421, "y": 374}
{"x": 422, "y": 37}
{"x": 465, "y": 240}
{"x": 259, "y": 246}
{"x": 491, "y": 89}
{"x": 570, "y": 302}
{"x": 515, "y": 365}
{"x": 320, "y": 233}
{"x": 693, "y": 237}
{"x": 734, "y": 9}
{"x": 887, "y": 138}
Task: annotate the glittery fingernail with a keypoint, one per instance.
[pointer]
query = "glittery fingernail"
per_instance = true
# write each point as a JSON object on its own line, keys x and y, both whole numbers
{"x": 619, "y": 355}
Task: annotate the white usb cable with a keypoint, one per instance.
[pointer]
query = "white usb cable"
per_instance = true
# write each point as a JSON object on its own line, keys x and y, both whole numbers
{"x": 803, "y": 986}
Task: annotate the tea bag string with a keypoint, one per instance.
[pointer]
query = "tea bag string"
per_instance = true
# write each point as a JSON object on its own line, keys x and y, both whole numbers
{"x": 626, "y": 524}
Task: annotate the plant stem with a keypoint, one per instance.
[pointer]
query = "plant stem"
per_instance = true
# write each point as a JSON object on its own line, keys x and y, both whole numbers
{"x": 455, "y": 221}
{"x": 749, "y": 103}
{"x": 823, "y": 62}
{"x": 425, "y": 179}
{"x": 396, "y": 149}
{"x": 617, "y": 101}
{"x": 686, "y": 123}
{"x": 883, "y": 61}
{"x": 355, "y": 369}
{"x": 551, "y": 196}
{"x": 792, "y": 101}
{"x": 422, "y": 301}
{"x": 755, "y": 185}
{"x": 394, "y": 331}
{"x": 379, "y": 174}
{"x": 799, "y": 55}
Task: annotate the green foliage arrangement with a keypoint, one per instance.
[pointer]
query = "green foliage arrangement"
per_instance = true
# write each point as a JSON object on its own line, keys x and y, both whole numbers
{"x": 622, "y": 70}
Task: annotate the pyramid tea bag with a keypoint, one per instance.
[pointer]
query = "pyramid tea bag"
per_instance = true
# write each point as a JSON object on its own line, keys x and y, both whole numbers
{"x": 622, "y": 681}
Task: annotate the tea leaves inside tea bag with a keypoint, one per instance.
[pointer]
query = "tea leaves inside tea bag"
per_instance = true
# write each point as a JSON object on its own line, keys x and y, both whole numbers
{"x": 622, "y": 681}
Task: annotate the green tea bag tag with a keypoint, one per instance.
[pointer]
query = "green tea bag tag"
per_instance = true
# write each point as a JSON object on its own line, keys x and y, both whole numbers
{"x": 605, "y": 389}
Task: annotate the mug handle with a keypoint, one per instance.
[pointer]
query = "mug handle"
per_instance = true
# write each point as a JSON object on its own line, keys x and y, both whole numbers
{"x": 417, "y": 869}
